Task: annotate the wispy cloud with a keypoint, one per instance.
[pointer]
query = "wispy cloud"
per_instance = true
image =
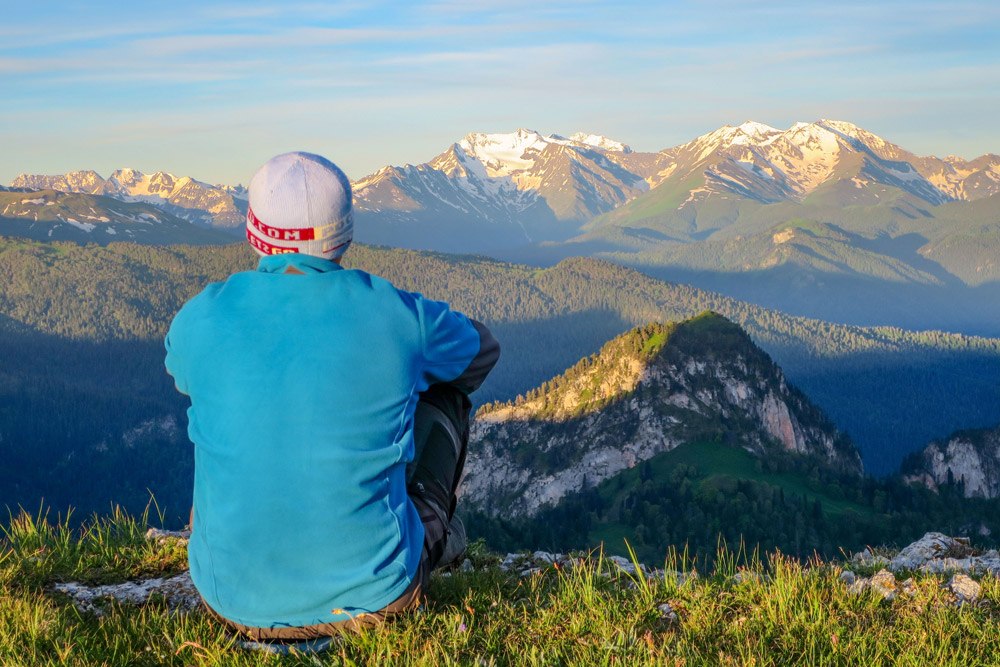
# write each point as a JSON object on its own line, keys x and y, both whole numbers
{"x": 397, "y": 81}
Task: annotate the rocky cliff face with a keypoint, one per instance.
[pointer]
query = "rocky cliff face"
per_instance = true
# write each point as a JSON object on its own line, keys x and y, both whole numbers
{"x": 644, "y": 393}
{"x": 971, "y": 458}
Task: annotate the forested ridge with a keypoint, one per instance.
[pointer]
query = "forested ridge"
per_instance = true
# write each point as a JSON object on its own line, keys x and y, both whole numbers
{"x": 81, "y": 332}
{"x": 708, "y": 491}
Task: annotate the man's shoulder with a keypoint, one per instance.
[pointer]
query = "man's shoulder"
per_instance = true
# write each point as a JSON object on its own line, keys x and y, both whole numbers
{"x": 207, "y": 296}
{"x": 381, "y": 286}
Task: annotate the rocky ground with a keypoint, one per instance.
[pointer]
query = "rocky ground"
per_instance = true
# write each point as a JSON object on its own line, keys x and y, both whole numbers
{"x": 934, "y": 553}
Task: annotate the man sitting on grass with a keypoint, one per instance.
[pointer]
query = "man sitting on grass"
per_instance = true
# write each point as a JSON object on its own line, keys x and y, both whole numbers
{"x": 330, "y": 415}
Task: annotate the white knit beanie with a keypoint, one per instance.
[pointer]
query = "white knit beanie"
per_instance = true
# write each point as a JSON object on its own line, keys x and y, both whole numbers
{"x": 300, "y": 202}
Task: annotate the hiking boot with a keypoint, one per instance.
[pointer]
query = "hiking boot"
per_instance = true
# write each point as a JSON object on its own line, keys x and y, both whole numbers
{"x": 454, "y": 546}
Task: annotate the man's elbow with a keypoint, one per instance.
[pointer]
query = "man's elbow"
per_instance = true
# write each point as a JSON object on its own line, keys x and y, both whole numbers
{"x": 484, "y": 361}
{"x": 489, "y": 346}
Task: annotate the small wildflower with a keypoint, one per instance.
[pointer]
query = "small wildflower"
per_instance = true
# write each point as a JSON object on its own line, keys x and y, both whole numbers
{"x": 461, "y": 627}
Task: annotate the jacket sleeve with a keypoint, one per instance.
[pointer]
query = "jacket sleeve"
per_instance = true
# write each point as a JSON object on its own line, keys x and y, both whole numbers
{"x": 457, "y": 350}
{"x": 486, "y": 358}
{"x": 174, "y": 360}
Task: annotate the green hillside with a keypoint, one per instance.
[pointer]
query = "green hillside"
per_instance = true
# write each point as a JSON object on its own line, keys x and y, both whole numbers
{"x": 82, "y": 355}
{"x": 713, "y": 469}
{"x": 716, "y": 465}
{"x": 704, "y": 491}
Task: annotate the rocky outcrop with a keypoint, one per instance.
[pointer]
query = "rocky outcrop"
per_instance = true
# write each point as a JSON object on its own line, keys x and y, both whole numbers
{"x": 178, "y": 592}
{"x": 644, "y": 393}
{"x": 930, "y": 547}
{"x": 934, "y": 553}
{"x": 968, "y": 458}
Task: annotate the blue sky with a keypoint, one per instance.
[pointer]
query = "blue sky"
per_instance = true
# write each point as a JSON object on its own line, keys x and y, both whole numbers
{"x": 212, "y": 90}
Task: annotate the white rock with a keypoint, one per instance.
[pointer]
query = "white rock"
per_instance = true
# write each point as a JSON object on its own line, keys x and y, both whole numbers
{"x": 160, "y": 536}
{"x": 667, "y": 612}
{"x": 178, "y": 592}
{"x": 929, "y": 547}
{"x": 868, "y": 558}
{"x": 884, "y": 583}
{"x": 966, "y": 589}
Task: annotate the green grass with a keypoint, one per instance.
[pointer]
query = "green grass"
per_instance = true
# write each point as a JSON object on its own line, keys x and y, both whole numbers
{"x": 797, "y": 614}
{"x": 793, "y": 613}
{"x": 654, "y": 344}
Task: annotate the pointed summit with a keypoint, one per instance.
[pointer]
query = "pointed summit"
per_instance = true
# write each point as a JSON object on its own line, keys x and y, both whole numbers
{"x": 646, "y": 392}
{"x": 754, "y": 129}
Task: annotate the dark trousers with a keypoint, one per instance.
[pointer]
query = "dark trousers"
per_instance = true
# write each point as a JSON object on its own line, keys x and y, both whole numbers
{"x": 441, "y": 438}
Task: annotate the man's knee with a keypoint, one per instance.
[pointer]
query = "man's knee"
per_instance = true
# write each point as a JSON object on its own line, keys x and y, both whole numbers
{"x": 441, "y": 435}
{"x": 451, "y": 402}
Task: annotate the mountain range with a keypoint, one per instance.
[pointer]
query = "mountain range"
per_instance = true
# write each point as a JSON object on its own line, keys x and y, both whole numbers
{"x": 823, "y": 219}
{"x": 184, "y": 197}
{"x": 55, "y": 215}
{"x": 538, "y": 188}
{"x": 542, "y": 188}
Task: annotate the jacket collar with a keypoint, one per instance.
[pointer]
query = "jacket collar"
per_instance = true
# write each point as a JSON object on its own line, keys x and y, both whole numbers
{"x": 304, "y": 263}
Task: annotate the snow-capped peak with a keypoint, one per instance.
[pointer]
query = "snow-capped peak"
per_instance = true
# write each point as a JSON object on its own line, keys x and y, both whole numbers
{"x": 812, "y": 132}
{"x": 749, "y": 133}
{"x": 597, "y": 141}
{"x": 872, "y": 141}
{"x": 503, "y": 153}
{"x": 127, "y": 177}
{"x": 752, "y": 128}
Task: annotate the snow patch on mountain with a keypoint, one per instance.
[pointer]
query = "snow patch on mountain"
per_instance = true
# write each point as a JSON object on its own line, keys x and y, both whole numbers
{"x": 83, "y": 226}
{"x": 598, "y": 141}
{"x": 502, "y": 154}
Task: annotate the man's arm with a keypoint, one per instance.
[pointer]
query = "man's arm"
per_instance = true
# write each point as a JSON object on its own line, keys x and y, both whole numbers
{"x": 475, "y": 373}
{"x": 173, "y": 364}
{"x": 457, "y": 350}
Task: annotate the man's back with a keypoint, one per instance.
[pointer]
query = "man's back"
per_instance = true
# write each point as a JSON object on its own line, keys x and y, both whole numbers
{"x": 303, "y": 390}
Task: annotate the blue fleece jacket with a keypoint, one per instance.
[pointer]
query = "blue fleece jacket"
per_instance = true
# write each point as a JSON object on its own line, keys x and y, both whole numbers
{"x": 303, "y": 389}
